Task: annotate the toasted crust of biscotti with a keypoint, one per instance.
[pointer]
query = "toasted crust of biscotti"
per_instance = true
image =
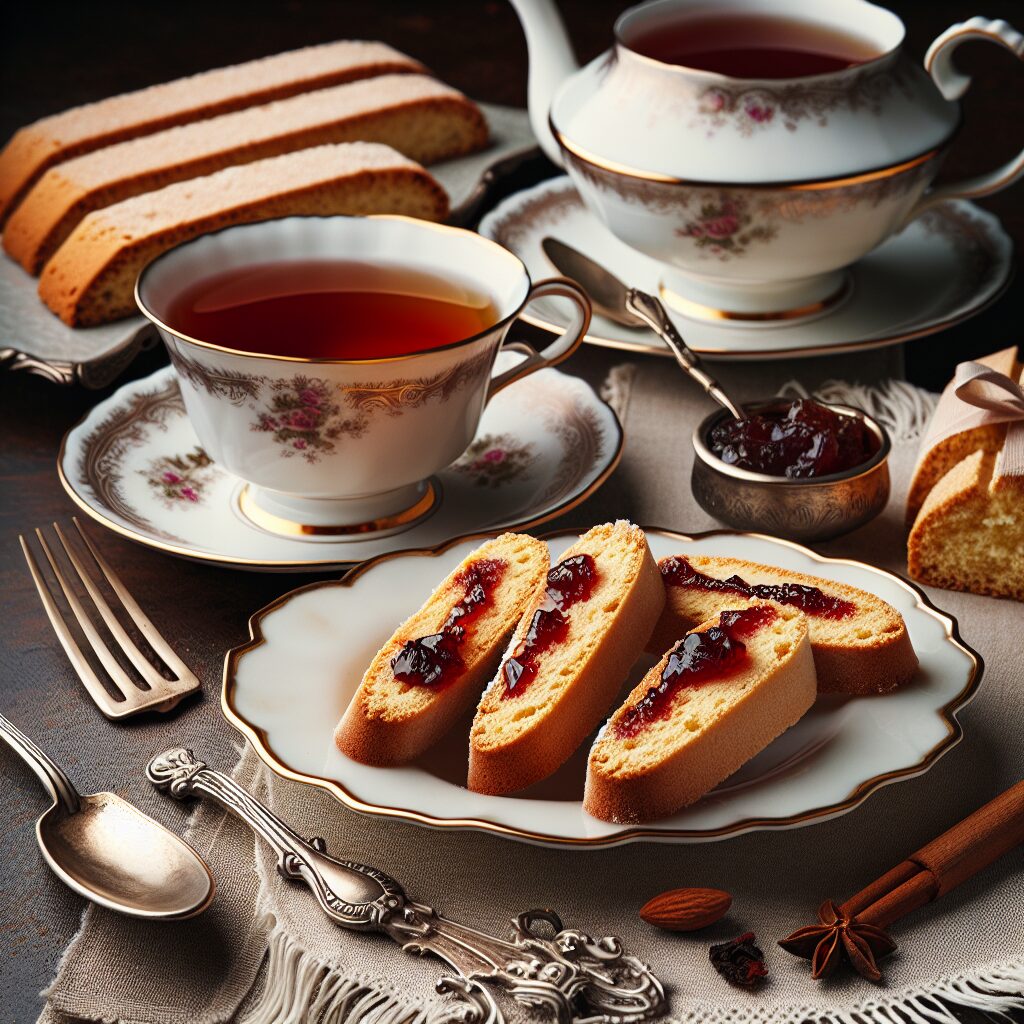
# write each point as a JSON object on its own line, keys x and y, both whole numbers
{"x": 389, "y": 722}
{"x": 711, "y": 730}
{"x": 32, "y": 150}
{"x": 868, "y": 653}
{"x": 418, "y": 116}
{"x": 91, "y": 278}
{"x": 516, "y": 742}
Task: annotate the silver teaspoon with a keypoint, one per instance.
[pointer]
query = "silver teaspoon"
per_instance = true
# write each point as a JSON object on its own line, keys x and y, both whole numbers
{"x": 631, "y": 308}
{"x": 109, "y": 851}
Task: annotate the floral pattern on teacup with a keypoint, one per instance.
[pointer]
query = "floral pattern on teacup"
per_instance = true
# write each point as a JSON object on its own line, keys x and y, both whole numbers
{"x": 180, "y": 479}
{"x": 725, "y": 227}
{"x": 495, "y": 459}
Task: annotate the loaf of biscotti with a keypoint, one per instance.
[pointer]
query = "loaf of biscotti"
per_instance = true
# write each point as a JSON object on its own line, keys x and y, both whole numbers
{"x": 568, "y": 659}
{"x": 434, "y": 666}
{"x": 91, "y": 278}
{"x": 35, "y": 148}
{"x": 420, "y": 117}
{"x": 719, "y": 696}
{"x": 860, "y": 642}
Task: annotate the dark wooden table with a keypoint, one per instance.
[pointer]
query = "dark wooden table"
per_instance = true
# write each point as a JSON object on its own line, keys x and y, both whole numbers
{"x": 57, "y": 55}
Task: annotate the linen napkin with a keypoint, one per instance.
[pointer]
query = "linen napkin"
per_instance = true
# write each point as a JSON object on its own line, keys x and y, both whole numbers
{"x": 264, "y": 953}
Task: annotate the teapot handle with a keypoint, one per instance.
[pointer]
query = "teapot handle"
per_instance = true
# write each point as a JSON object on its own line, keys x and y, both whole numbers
{"x": 953, "y": 84}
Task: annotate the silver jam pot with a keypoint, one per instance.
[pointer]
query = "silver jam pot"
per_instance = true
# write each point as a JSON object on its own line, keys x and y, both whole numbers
{"x": 804, "y": 509}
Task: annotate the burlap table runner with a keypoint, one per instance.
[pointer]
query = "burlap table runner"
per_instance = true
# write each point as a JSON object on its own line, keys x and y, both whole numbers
{"x": 966, "y": 949}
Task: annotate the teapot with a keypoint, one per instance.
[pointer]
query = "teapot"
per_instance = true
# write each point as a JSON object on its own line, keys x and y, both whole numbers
{"x": 756, "y": 195}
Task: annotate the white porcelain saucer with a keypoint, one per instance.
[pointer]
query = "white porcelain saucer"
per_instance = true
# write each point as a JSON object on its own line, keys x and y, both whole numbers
{"x": 134, "y": 464}
{"x": 947, "y": 265}
{"x": 286, "y": 688}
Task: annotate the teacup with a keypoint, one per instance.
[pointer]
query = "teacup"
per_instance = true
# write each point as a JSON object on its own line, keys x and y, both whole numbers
{"x": 336, "y": 447}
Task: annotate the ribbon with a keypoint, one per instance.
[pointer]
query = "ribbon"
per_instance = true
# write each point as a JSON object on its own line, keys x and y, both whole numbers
{"x": 981, "y": 386}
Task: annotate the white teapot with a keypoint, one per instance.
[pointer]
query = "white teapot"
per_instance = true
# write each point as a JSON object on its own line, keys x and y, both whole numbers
{"x": 754, "y": 193}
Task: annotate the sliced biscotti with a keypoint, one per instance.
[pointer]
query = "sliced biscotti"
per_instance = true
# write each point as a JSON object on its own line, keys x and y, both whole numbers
{"x": 969, "y": 533}
{"x": 568, "y": 659}
{"x": 436, "y": 663}
{"x": 717, "y": 698}
{"x": 860, "y": 643}
{"x": 91, "y": 278}
{"x": 51, "y": 140}
{"x": 418, "y": 116}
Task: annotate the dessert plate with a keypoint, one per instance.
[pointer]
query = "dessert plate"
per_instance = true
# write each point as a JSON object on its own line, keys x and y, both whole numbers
{"x": 286, "y": 689}
{"x": 134, "y": 464}
{"x": 947, "y": 265}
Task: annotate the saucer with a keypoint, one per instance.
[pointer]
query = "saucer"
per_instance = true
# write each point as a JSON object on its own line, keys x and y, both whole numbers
{"x": 945, "y": 266}
{"x": 135, "y": 465}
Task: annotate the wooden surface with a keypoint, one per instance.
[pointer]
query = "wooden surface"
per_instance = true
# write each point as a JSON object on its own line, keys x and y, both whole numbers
{"x": 57, "y": 55}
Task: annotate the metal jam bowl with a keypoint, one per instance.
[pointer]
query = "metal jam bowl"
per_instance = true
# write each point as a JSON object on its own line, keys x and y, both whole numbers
{"x": 805, "y": 509}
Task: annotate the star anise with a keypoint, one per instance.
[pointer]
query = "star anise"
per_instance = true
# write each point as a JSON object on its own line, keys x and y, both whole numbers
{"x": 836, "y": 935}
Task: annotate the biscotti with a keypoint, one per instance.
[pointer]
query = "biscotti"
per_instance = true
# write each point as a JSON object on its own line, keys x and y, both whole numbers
{"x": 51, "y": 140}
{"x": 568, "y": 659}
{"x": 860, "y": 643}
{"x": 91, "y": 278}
{"x": 434, "y": 666}
{"x": 716, "y": 699}
{"x": 969, "y": 533}
{"x": 420, "y": 117}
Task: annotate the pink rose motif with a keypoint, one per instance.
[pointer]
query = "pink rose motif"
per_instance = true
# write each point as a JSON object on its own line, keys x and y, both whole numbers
{"x": 188, "y": 492}
{"x": 307, "y": 396}
{"x": 722, "y": 227}
{"x": 760, "y": 114}
{"x": 171, "y": 478}
{"x": 713, "y": 101}
{"x": 299, "y": 443}
{"x": 494, "y": 455}
{"x": 301, "y": 420}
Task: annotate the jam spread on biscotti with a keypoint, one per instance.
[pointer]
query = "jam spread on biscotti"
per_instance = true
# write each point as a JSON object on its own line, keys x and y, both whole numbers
{"x": 677, "y": 572}
{"x": 802, "y": 439}
{"x": 698, "y": 659}
{"x": 569, "y": 582}
{"x": 436, "y": 659}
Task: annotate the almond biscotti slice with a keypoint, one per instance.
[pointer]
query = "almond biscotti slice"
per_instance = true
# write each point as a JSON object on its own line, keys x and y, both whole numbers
{"x": 860, "y": 643}
{"x": 436, "y": 663}
{"x": 35, "y": 148}
{"x": 717, "y": 698}
{"x": 568, "y": 659}
{"x": 418, "y": 116}
{"x": 91, "y": 278}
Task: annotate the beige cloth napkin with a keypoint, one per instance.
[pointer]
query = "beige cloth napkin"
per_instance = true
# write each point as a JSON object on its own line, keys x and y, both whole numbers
{"x": 966, "y": 949}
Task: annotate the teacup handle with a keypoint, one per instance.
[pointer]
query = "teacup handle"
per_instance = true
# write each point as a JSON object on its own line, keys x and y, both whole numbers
{"x": 953, "y": 84}
{"x": 561, "y": 348}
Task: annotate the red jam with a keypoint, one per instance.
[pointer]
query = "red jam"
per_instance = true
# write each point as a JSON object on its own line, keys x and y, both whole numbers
{"x": 569, "y": 582}
{"x": 697, "y": 659}
{"x": 678, "y": 572}
{"x": 435, "y": 660}
{"x": 803, "y": 439}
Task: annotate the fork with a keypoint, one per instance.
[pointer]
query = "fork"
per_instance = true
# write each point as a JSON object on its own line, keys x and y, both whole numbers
{"x": 155, "y": 691}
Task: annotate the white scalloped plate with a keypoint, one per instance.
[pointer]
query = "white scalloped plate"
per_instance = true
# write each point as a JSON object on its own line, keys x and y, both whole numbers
{"x": 286, "y": 688}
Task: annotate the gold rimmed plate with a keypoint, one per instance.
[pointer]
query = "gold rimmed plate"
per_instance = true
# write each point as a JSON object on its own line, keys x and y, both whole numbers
{"x": 286, "y": 688}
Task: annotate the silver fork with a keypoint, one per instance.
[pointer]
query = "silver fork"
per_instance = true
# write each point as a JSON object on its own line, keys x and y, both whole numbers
{"x": 157, "y": 693}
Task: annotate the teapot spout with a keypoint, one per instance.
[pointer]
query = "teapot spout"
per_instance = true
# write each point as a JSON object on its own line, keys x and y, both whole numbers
{"x": 551, "y": 63}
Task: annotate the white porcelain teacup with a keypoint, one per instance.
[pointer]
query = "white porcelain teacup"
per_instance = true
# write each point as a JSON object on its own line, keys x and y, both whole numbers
{"x": 336, "y": 447}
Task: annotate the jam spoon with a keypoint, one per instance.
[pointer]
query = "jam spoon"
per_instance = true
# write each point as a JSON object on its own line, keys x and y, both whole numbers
{"x": 633, "y": 308}
{"x": 108, "y": 851}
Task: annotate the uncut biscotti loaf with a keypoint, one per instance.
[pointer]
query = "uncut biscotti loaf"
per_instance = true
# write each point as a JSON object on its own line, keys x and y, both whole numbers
{"x": 420, "y": 117}
{"x": 860, "y": 642}
{"x": 434, "y": 666}
{"x": 38, "y": 146}
{"x": 91, "y": 278}
{"x": 716, "y": 698}
{"x": 588, "y": 625}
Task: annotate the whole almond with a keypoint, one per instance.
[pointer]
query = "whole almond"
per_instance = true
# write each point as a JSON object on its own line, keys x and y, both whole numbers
{"x": 686, "y": 910}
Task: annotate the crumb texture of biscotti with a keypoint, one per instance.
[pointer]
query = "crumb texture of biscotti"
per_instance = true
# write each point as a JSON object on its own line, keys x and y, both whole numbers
{"x": 518, "y": 740}
{"x": 32, "y": 150}
{"x": 969, "y": 533}
{"x": 91, "y": 278}
{"x": 867, "y": 652}
{"x": 418, "y": 116}
{"x": 710, "y": 729}
{"x": 389, "y": 722}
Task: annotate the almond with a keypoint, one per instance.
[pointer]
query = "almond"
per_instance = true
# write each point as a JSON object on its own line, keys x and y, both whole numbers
{"x": 686, "y": 910}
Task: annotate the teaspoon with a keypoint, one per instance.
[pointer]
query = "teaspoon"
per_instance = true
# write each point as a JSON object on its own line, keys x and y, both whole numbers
{"x": 108, "y": 851}
{"x": 632, "y": 308}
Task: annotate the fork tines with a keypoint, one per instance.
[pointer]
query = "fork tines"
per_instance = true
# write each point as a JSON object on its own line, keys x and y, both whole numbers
{"x": 152, "y": 689}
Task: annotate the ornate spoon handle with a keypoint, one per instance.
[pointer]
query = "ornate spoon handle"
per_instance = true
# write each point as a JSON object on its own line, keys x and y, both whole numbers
{"x": 542, "y": 965}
